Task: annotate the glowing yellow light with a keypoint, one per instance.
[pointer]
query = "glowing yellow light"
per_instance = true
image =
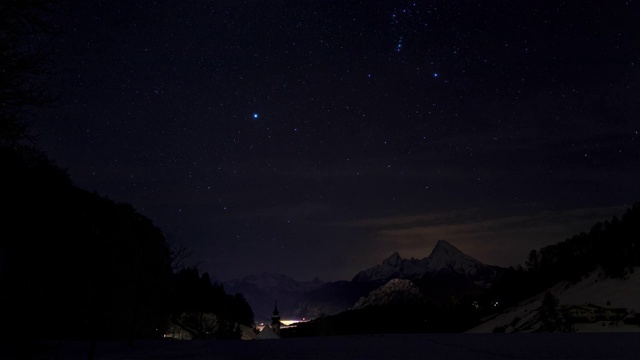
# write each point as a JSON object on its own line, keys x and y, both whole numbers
{"x": 288, "y": 322}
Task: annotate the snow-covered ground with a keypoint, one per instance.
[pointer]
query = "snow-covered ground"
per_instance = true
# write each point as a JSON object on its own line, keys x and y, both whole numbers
{"x": 593, "y": 341}
{"x": 411, "y": 346}
{"x": 594, "y": 289}
{"x": 394, "y": 292}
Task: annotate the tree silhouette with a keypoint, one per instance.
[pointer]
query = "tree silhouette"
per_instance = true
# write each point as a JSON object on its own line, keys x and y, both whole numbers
{"x": 196, "y": 297}
{"x": 551, "y": 317}
{"x": 533, "y": 261}
{"x": 25, "y": 67}
{"x": 75, "y": 263}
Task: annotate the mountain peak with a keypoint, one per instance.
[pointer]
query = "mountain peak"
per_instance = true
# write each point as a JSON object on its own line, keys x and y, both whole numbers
{"x": 446, "y": 257}
{"x": 393, "y": 259}
{"x": 445, "y": 248}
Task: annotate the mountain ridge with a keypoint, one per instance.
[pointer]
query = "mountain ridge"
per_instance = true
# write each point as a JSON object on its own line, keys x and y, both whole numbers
{"x": 443, "y": 258}
{"x": 446, "y": 270}
{"x": 394, "y": 292}
{"x": 264, "y": 289}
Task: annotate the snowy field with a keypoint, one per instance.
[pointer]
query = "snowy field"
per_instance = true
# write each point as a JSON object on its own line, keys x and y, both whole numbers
{"x": 410, "y": 346}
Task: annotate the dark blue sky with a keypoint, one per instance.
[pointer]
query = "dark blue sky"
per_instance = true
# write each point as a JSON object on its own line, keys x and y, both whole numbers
{"x": 381, "y": 126}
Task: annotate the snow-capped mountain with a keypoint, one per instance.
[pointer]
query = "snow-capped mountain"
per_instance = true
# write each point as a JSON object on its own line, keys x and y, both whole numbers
{"x": 445, "y": 258}
{"x": 394, "y": 292}
{"x": 445, "y": 272}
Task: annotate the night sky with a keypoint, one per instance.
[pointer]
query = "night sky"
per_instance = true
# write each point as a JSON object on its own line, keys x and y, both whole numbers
{"x": 315, "y": 138}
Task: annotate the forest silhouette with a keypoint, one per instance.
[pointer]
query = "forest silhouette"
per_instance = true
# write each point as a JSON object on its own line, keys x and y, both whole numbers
{"x": 74, "y": 264}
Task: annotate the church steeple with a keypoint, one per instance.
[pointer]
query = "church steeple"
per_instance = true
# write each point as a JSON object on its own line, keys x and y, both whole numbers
{"x": 275, "y": 320}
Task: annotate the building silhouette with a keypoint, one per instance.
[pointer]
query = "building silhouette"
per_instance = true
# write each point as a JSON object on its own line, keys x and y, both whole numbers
{"x": 275, "y": 320}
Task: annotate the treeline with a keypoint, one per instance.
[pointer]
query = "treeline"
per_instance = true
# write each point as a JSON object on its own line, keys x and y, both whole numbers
{"x": 75, "y": 265}
{"x": 613, "y": 246}
{"x": 198, "y": 296}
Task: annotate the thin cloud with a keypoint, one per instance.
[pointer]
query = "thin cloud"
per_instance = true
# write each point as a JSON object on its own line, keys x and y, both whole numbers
{"x": 499, "y": 240}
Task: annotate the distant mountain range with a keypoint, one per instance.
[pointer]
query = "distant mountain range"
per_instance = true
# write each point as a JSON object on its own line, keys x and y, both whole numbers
{"x": 444, "y": 273}
{"x": 263, "y": 290}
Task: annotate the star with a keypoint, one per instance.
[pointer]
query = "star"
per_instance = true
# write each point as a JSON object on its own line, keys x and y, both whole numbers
{"x": 255, "y": 115}
{"x": 399, "y": 44}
